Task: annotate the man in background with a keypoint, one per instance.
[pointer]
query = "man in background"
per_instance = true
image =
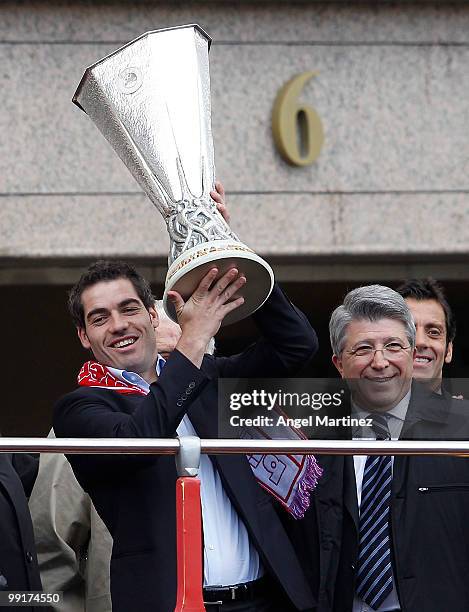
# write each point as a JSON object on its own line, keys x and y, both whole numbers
{"x": 435, "y": 327}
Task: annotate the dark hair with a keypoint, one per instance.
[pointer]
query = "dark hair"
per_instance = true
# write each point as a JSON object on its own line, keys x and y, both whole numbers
{"x": 105, "y": 271}
{"x": 430, "y": 289}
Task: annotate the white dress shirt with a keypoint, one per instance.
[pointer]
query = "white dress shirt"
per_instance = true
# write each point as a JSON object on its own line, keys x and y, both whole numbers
{"x": 396, "y": 418}
{"x": 229, "y": 556}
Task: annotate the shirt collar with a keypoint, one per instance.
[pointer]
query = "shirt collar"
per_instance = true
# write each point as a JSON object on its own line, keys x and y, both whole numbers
{"x": 136, "y": 379}
{"x": 396, "y": 417}
{"x": 400, "y": 410}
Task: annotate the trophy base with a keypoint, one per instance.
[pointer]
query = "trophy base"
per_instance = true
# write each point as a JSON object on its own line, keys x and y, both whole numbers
{"x": 188, "y": 269}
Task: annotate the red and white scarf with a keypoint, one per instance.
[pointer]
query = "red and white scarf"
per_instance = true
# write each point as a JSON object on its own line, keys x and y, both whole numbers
{"x": 93, "y": 374}
{"x": 289, "y": 478}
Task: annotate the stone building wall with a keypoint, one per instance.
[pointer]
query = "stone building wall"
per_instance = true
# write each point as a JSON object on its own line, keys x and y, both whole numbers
{"x": 391, "y": 183}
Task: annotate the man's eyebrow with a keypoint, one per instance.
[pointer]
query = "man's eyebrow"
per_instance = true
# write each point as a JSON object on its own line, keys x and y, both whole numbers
{"x": 123, "y": 304}
{"x": 129, "y": 301}
{"x": 96, "y": 311}
{"x": 384, "y": 341}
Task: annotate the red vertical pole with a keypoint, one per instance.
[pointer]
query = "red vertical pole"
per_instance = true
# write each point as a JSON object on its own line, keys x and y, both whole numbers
{"x": 189, "y": 546}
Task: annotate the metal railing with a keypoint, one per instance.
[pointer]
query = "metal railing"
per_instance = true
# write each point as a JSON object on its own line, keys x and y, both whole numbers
{"x": 171, "y": 446}
{"x": 187, "y": 450}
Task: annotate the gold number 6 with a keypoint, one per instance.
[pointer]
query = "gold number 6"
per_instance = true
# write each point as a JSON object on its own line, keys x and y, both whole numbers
{"x": 297, "y": 129}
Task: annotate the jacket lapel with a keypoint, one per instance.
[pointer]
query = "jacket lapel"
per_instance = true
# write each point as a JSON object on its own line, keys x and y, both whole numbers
{"x": 428, "y": 413}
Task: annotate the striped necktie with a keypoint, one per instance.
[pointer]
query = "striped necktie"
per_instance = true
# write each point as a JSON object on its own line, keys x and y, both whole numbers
{"x": 374, "y": 576}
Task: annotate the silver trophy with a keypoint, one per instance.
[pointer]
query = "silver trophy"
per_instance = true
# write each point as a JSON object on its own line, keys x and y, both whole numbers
{"x": 151, "y": 101}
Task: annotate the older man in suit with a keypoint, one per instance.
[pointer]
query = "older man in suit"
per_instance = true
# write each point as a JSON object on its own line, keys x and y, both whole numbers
{"x": 388, "y": 533}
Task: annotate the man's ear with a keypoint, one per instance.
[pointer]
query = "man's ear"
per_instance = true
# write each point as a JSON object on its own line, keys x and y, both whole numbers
{"x": 83, "y": 338}
{"x": 337, "y": 361}
{"x": 449, "y": 352}
{"x": 154, "y": 318}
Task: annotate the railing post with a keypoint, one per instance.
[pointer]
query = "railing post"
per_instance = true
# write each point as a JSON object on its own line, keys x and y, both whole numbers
{"x": 189, "y": 527}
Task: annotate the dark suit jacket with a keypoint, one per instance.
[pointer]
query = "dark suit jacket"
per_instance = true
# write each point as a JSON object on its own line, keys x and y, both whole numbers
{"x": 18, "y": 562}
{"x": 135, "y": 496}
{"x": 429, "y": 519}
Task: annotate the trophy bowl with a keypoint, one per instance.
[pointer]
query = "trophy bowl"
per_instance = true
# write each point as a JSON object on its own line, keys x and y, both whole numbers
{"x": 186, "y": 272}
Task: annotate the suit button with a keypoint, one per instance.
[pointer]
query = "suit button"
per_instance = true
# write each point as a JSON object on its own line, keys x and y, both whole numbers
{"x": 188, "y": 390}
{"x": 29, "y": 557}
{"x": 179, "y": 403}
{"x": 191, "y": 385}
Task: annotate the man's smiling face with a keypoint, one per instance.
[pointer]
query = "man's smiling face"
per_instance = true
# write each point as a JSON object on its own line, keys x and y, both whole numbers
{"x": 432, "y": 347}
{"x": 380, "y": 379}
{"x": 119, "y": 330}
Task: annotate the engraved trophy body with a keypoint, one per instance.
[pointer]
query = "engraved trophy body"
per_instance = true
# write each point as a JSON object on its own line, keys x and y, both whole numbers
{"x": 151, "y": 101}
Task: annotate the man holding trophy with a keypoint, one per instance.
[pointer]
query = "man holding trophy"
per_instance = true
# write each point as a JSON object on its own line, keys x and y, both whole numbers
{"x": 157, "y": 117}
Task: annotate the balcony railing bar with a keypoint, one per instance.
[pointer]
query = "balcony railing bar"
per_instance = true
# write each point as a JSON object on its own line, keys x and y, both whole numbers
{"x": 170, "y": 446}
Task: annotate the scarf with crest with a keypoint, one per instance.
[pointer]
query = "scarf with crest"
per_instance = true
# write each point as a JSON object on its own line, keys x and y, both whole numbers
{"x": 289, "y": 478}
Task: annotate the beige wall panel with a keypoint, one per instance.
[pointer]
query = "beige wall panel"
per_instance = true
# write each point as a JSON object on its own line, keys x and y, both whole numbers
{"x": 48, "y": 144}
{"x": 274, "y": 225}
{"x": 81, "y": 226}
{"x": 235, "y": 21}
{"x": 395, "y": 118}
{"x": 352, "y": 224}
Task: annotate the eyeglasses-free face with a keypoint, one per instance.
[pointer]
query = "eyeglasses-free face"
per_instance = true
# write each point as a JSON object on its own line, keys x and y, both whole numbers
{"x": 119, "y": 330}
{"x": 432, "y": 347}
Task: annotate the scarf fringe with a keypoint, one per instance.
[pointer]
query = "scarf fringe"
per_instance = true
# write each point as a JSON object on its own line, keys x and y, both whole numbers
{"x": 308, "y": 482}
